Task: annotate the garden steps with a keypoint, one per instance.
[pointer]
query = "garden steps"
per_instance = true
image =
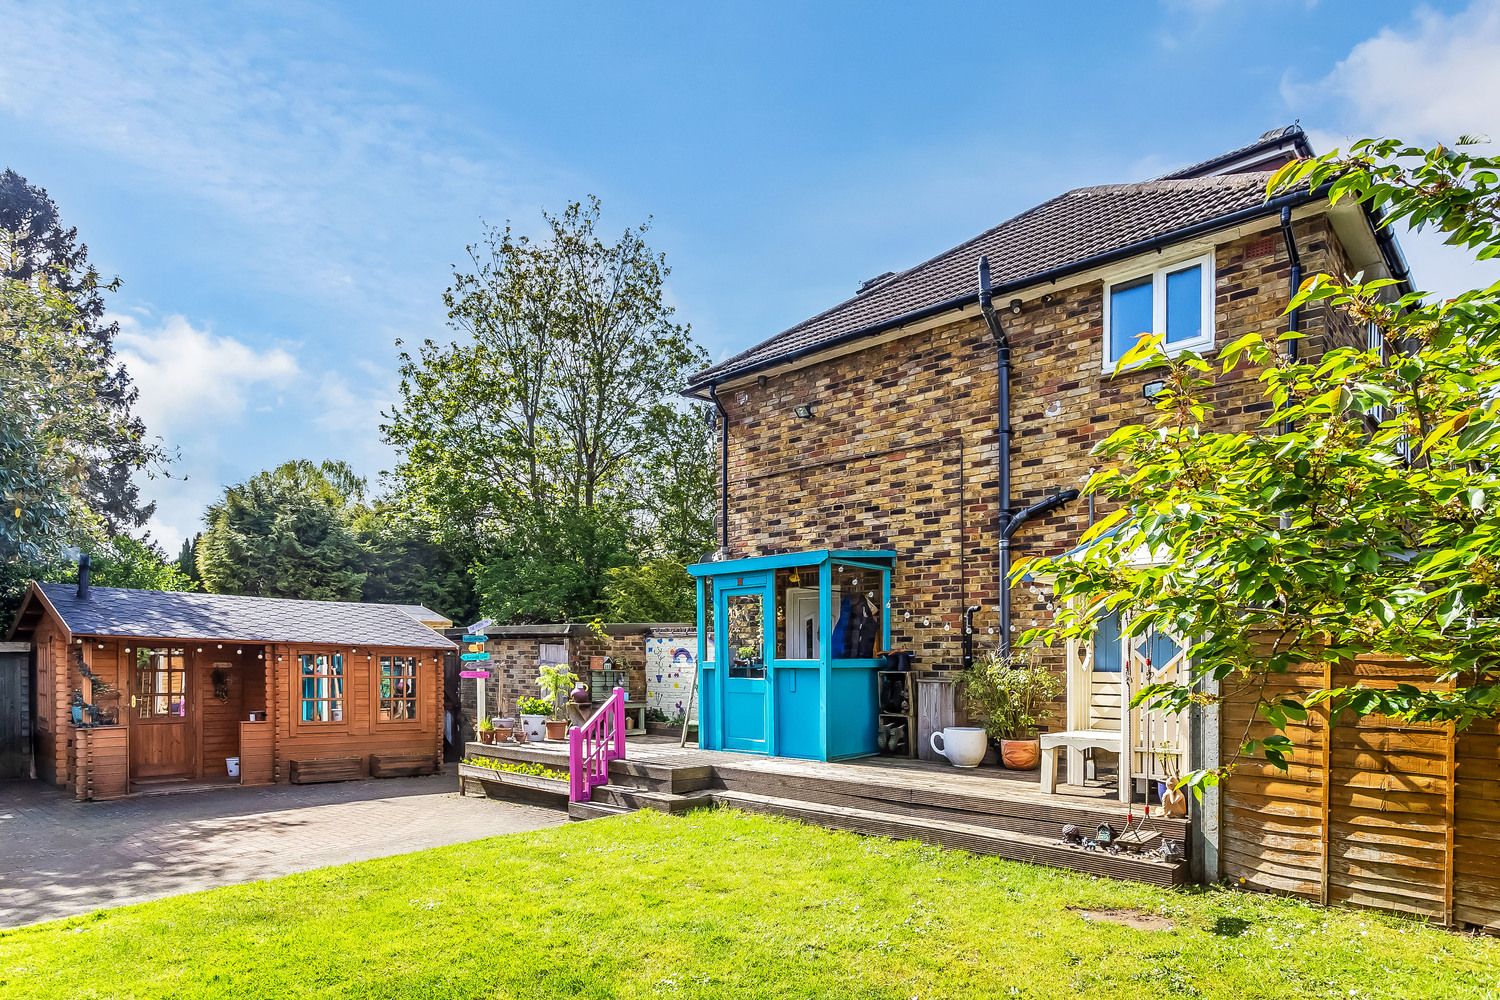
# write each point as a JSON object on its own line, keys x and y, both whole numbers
{"x": 579, "y": 811}
{"x": 985, "y": 811}
{"x": 964, "y": 836}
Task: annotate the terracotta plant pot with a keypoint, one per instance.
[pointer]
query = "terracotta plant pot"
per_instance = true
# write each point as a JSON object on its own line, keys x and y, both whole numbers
{"x": 557, "y": 729}
{"x": 1021, "y": 755}
{"x": 503, "y": 734}
{"x": 486, "y": 736}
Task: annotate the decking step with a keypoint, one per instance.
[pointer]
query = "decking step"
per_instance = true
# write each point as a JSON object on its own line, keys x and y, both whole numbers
{"x": 965, "y": 836}
{"x": 594, "y": 810}
{"x": 627, "y": 797}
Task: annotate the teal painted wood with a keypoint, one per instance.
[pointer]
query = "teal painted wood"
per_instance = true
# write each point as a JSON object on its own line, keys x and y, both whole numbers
{"x": 822, "y": 709}
{"x": 744, "y": 700}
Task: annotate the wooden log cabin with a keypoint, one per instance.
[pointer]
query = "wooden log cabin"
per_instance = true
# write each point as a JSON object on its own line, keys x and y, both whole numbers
{"x": 140, "y": 689}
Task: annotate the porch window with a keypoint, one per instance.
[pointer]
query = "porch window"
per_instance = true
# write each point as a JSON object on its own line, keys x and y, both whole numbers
{"x": 398, "y": 687}
{"x": 797, "y": 633}
{"x": 858, "y": 596}
{"x": 160, "y": 683}
{"x": 1175, "y": 302}
{"x": 747, "y": 654}
{"x": 1159, "y": 646}
{"x": 708, "y": 621}
{"x": 322, "y": 687}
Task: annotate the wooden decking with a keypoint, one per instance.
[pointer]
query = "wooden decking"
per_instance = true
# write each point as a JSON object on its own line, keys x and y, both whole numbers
{"x": 986, "y": 810}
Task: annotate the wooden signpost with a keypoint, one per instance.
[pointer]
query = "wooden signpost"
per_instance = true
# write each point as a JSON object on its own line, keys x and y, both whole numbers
{"x": 474, "y": 653}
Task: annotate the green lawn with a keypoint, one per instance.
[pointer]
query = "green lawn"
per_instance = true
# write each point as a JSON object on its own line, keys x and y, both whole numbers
{"x": 720, "y": 904}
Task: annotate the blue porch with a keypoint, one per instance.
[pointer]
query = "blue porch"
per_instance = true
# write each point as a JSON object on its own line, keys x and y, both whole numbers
{"x": 790, "y": 668}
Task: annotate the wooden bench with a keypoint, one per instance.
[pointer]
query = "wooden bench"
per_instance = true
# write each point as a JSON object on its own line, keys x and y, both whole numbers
{"x": 1077, "y": 739}
{"x": 310, "y": 772}
{"x": 402, "y": 765}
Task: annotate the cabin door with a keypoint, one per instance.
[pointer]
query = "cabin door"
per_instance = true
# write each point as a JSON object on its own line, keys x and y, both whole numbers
{"x": 162, "y": 737}
{"x": 742, "y": 645}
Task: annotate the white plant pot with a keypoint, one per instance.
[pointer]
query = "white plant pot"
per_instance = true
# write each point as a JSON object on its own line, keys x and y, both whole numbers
{"x": 963, "y": 746}
{"x": 232, "y": 764}
{"x": 534, "y": 726}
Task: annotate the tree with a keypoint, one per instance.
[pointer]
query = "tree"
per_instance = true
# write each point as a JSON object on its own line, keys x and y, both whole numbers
{"x": 56, "y": 401}
{"x": 286, "y": 533}
{"x": 652, "y": 591}
{"x": 1364, "y": 514}
{"x": 523, "y": 448}
{"x": 187, "y": 558}
{"x": 404, "y": 566}
{"x": 37, "y": 245}
{"x": 128, "y": 562}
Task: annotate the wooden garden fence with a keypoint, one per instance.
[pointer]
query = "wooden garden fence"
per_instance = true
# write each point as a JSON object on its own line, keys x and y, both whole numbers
{"x": 1372, "y": 812}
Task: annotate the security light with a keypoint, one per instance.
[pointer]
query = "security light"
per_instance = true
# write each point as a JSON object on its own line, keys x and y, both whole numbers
{"x": 803, "y": 411}
{"x": 1015, "y": 307}
{"x": 1153, "y": 389}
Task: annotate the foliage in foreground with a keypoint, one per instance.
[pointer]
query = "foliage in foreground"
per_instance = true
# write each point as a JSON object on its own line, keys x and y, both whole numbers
{"x": 1362, "y": 517}
{"x": 721, "y": 904}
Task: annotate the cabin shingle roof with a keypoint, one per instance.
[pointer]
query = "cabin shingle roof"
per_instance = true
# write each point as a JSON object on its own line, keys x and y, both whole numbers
{"x": 1067, "y": 230}
{"x": 152, "y": 614}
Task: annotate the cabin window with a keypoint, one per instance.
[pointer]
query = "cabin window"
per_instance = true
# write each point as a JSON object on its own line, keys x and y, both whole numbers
{"x": 160, "y": 683}
{"x": 322, "y": 687}
{"x": 398, "y": 687}
{"x": 1175, "y": 302}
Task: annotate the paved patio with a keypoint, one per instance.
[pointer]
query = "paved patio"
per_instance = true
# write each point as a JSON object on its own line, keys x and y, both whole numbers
{"x": 59, "y": 857}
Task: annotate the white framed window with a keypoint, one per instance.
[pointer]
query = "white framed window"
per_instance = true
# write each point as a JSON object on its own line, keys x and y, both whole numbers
{"x": 1175, "y": 301}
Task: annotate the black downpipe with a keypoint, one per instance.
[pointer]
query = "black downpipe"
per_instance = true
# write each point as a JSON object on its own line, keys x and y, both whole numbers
{"x": 1294, "y": 318}
{"x": 1010, "y": 518}
{"x": 713, "y": 394}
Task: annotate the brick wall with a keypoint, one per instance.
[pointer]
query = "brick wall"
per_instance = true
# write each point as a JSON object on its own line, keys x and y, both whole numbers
{"x": 901, "y": 451}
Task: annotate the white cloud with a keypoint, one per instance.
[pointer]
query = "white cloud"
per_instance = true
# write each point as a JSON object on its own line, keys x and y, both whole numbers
{"x": 197, "y": 389}
{"x": 192, "y": 380}
{"x": 1437, "y": 77}
{"x": 335, "y": 177}
{"x": 1430, "y": 80}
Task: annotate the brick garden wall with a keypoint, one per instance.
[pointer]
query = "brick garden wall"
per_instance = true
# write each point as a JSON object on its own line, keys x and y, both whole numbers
{"x": 901, "y": 451}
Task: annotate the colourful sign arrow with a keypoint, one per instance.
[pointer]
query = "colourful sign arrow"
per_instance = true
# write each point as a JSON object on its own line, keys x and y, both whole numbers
{"x": 473, "y": 657}
{"x": 474, "y": 675}
{"x": 476, "y": 638}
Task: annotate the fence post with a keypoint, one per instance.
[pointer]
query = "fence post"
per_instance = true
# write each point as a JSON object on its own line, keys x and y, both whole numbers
{"x": 578, "y": 785}
{"x": 619, "y": 714}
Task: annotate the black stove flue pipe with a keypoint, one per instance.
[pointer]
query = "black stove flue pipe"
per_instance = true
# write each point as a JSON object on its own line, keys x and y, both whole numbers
{"x": 1010, "y": 518}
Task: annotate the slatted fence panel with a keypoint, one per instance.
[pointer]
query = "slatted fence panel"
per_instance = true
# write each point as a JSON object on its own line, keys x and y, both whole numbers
{"x": 1371, "y": 812}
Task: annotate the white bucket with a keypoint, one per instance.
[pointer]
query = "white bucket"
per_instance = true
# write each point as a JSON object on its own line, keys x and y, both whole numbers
{"x": 233, "y": 763}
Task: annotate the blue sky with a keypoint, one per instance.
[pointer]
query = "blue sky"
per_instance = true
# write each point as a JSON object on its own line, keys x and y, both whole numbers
{"x": 284, "y": 187}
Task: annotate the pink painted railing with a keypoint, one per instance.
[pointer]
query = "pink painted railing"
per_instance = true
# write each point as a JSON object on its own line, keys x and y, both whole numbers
{"x": 593, "y": 745}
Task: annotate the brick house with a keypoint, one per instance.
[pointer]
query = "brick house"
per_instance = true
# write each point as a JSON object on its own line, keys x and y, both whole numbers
{"x": 875, "y": 426}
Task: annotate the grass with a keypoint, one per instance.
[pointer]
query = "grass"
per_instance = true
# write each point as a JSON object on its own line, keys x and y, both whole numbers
{"x": 722, "y": 904}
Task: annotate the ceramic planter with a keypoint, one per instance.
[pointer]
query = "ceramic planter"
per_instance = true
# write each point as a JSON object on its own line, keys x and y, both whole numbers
{"x": 504, "y": 733}
{"x": 962, "y": 745}
{"x": 534, "y": 726}
{"x": 557, "y": 729}
{"x": 1021, "y": 755}
{"x": 486, "y": 736}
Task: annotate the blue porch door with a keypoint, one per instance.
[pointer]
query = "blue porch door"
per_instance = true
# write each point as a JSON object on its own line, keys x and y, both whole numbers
{"x": 742, "y": 645}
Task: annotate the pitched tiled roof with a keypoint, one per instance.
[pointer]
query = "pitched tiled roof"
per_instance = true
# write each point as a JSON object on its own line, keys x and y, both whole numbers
{"x": 153, "y": 614}
{"x": 1071, "y": 229}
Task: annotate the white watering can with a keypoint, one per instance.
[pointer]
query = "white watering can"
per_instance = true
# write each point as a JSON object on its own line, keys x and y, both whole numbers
{"x": 962, "y": 745}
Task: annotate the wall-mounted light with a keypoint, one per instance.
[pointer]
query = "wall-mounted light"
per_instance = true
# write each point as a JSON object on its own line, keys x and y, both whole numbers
{"x": 1153, "y": 389}
{"x": 1015, "y": 307}
{"x": 803, "y": 411}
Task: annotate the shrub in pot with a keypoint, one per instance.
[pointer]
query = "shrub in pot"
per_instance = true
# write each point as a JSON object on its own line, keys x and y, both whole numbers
{"x": 486, "y": 731}
{"x": 556, "y": 682}
{"x": 1011, "y": 698}
{"x": 534, "y": 713}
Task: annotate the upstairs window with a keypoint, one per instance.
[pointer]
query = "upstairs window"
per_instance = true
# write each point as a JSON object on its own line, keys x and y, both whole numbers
{"x": 1175, "y": 302}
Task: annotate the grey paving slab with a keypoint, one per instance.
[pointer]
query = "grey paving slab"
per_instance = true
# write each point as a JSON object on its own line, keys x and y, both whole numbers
{"x": 59, "y": 857}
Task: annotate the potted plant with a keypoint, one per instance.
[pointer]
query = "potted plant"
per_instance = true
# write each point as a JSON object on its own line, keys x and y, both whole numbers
{"x": 556, "y": 682}
{"x": 504, "y": 729}
{"x": 1011, "y": 699}
{"x": 534, "y": 712}
{"x": 486, "y": 731}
